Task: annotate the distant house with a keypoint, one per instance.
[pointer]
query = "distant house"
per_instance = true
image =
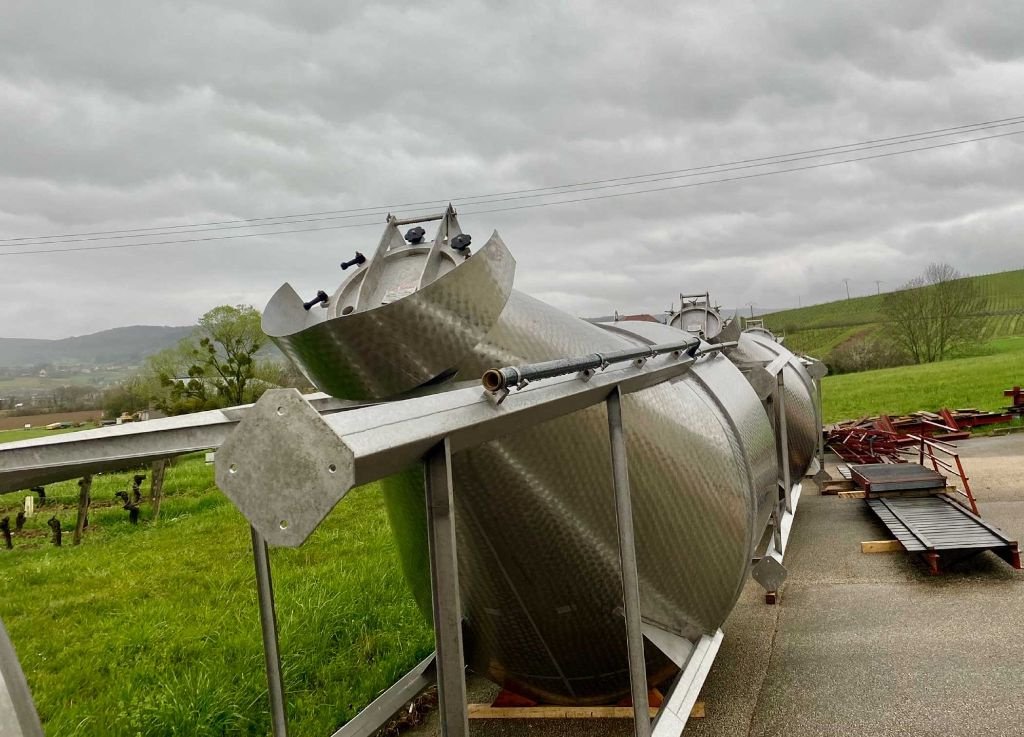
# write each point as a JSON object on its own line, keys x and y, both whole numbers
{"x": 42, "y": 373}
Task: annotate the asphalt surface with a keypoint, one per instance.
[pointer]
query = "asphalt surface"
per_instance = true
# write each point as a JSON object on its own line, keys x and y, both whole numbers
{"x": 861, "y": 644}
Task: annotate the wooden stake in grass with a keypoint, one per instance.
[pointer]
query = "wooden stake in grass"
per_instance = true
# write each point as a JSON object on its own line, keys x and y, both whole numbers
{"x": 84, "y": 493}
{"x": 137, "y": 480}
{"x": 5, "y": 528}
{"x": 156, "y": 486}
{"x": 54, "y": 524}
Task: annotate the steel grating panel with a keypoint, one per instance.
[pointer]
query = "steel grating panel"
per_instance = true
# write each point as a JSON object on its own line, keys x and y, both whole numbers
{"x": 875, "y": 477}
{"x": 935, "y": 523}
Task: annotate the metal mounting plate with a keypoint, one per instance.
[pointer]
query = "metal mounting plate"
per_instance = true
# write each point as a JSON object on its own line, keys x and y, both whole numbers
{"x": 307, "y": 455}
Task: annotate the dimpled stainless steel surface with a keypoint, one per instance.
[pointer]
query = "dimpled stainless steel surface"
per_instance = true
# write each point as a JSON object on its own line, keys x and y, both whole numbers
{"x": 536, "y": 518}
{"x": 697, "y": 320}
{"x": 801, "y": 416}
{"x": 728, "y": 388}
{"x": 388, "y": 349}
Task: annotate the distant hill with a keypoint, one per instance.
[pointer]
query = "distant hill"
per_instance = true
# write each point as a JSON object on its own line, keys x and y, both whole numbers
{"x": 818, "y": 329}
{"x": 129, "y": 345}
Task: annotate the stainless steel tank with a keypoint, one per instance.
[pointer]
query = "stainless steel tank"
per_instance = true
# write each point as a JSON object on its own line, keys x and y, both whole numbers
{"x": 697, "y": 316}
{"x": 535, "y": 515}
{"x": 802, "y": 421}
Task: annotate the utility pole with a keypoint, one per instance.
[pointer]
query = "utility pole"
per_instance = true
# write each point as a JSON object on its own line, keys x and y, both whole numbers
{"x": 751, "y": 306}
{"x": 878, "y": 286}
{"x": 847, "y": 283}
{"x": 799, "y": 301}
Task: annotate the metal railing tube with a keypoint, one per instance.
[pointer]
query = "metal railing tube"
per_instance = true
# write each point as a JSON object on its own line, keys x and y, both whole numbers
{"x": 268, "y": 626}
{"x": 496, "y": 379}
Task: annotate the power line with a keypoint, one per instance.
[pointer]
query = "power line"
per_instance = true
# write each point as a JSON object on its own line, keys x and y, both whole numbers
{"x": 649, "y": 179}
{"x": 756, "y": 175}
{"x": 551, "y": 190}
{"x": 195, "y": 240}
{"x": 688, "y": 185}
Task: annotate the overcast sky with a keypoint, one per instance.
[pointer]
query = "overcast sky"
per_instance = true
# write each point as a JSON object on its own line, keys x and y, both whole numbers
{"x": 121, "y": 115}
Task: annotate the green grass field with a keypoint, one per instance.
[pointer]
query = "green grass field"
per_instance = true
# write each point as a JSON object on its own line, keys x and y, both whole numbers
{"x": 9, "y": 436}
{"x": 818, "y": 329}
{"x": 154, "y": 630}
{"x": 975, "y": 381}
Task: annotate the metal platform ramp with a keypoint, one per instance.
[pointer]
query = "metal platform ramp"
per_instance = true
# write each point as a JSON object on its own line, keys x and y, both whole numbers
{"x": 876, "y": 478}
{"x": 941, "y": 529}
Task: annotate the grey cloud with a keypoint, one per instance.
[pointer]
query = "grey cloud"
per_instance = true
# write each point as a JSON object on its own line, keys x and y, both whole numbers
{"x": 123, "y": 115}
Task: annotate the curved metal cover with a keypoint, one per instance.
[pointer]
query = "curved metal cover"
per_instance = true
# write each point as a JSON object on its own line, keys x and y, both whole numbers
{"x": 397, "y": 346}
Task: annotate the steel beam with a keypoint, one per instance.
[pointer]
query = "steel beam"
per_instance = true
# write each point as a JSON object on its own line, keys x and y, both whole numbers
{"x": 286, "y": 466}
{"x": 444, "y": 591}
{"x": 782, "y": 439}
{"x": 40, "y": 461}
{"x": 627, "y": 562}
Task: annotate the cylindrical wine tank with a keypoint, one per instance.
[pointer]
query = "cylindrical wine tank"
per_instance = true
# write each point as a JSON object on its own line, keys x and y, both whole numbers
{"x": 535, "y": 514}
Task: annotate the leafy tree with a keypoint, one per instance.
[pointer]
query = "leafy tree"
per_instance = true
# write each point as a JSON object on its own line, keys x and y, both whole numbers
{"x": 217, "y": 366}
{"x": 933, "y": 314}
{"x": 229, "y": 338}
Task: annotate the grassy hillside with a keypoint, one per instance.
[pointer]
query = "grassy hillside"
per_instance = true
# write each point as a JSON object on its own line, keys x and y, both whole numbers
{"x": 817, "y": 329}
{"x": 976, "y": 381}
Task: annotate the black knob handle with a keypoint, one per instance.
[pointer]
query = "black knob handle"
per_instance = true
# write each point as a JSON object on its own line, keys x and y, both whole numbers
{"x": 354, "y": 261}
{"x": 415, "y": 235}
{"x": 321, "y": 296}
{"x": 461, "y": 241}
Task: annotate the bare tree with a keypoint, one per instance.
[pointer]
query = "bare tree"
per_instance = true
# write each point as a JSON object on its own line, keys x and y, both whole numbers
{"x": 934, "y": 313}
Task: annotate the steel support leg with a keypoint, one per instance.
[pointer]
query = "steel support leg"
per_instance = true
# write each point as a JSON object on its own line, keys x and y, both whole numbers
{"x": 627, "y": 560}
{"x": 268, "y": 623}
{"x": 444, "y": 588}
{"x": 821, "y": 424}
{"x": 783, "y": 439}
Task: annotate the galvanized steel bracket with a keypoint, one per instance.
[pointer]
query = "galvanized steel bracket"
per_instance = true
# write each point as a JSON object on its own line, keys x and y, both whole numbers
{"x": 815, "y": 368}
{"x": 283, "y": 444}
{"x": 769, "y": 571}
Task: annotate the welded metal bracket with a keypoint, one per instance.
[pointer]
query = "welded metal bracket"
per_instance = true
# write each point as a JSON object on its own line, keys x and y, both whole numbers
{"x": 283, "y": 443}
{"x": 383, "y": 708}
{"x": 675, "y": 711}
{"x": 769, "y": 571}
{"x": 675, "y": 647}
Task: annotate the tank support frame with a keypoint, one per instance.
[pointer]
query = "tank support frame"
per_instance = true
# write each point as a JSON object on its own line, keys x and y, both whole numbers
{"x": 287, "y": 460}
